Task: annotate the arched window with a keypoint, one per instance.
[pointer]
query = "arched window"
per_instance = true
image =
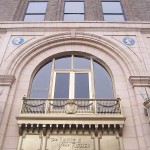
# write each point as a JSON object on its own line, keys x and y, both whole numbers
{"x": 72, "y": 77}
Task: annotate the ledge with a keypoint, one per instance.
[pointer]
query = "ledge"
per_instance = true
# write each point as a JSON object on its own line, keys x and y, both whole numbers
{"x": 6, "y": 80}
{"x": 140, "y": 81}
{"x": 129, "y": 25}
{"x": 71, "y": 119}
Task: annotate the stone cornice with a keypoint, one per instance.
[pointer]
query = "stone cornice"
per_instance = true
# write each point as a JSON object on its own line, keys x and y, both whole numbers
{"x": 6, "y": 80}
{"x": 127, "y": 25}
{"x": 138, "y": 81}
{"x": 99, "y": 123}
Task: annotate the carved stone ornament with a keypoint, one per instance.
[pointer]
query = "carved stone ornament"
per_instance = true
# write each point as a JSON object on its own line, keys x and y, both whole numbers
{"x": 147, "y": 103}
{"x": 71, "y": 107}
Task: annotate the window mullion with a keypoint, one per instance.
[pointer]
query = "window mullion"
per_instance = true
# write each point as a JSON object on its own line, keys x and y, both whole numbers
{"x": 92, "y": 80}
{"x": 71, "y": 86}
{"x": 72, "y": 62}
{"x": 53, "y": 85}
{"x": 71, "y": 82}
{"x": 52, "y": 81}
{"x": 90, "y": 86}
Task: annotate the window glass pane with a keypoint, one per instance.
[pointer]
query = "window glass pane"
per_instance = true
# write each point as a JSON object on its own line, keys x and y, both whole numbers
{"x": 74, "y": 7}
{"x": 34, "y": 17}
{"x": 63, "y": 63}
{"x": 114, "y": 18}
{"x": 102, "y": 81}
{"x": 37, "y": 7}
{"x": 81, "y": 63}
{"x": 73, "y": 17}
{"x": 111, "y": 7}
{"x": 40, "y": 83}
{"x": 62, "y": 85}
{"x": 81, "y": 85}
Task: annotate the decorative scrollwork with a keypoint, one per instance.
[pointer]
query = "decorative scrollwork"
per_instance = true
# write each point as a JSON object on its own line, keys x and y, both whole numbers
{"x": 73, "y": 102}
{"x": 108, "y": 105}
{"x": 33, "y": 107}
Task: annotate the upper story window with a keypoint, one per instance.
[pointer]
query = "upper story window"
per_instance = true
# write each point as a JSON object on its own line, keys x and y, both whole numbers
{"x": 74, "y": 11}
{"x": 72, "y": 77}
{"x": 35, "y": 11}
{"x": 112, "y": 11}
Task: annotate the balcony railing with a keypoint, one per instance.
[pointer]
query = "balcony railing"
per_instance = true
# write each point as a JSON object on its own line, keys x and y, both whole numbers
{"x": 78, "y": 106}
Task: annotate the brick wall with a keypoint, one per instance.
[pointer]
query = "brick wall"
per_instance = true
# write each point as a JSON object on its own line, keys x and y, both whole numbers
{"x": 134, "y": 10}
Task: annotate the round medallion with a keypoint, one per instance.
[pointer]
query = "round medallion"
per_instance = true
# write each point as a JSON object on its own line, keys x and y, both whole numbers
{"x": 18, "y": 41}
{"x": 128, "y": 41}
{"x": 70, "y": 107}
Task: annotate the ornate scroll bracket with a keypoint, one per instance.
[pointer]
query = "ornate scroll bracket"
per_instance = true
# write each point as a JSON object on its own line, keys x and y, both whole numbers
{"x": 147, "y": 108}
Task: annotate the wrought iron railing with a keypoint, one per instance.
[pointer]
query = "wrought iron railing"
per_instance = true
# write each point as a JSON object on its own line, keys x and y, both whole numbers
{"x": 51, "y": 106}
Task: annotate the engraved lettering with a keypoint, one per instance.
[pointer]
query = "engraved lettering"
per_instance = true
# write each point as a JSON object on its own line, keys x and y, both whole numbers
{"x": 82, "y": 146}
{"x": 53, "y": 139}
{"x": 71, "y": 143}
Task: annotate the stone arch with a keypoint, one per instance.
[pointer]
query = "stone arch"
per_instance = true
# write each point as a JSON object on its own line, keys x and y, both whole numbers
{"x": 120, "y": 53}
{"x": 26, "y": 74}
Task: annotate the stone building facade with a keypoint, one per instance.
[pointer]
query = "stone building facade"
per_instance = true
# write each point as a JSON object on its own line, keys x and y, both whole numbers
{"x": 94, "y": 94}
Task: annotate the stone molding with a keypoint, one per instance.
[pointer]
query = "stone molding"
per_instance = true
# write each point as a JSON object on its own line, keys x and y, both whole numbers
{"x": 140, "y": 81}
{"x": 18, "y": 25}
{"x": 6, "y": 80}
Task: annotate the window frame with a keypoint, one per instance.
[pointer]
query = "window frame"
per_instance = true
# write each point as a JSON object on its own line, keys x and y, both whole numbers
{"x": 109, "y": 14}
{"x": 35, "y": 14}
{"x": 64, "y": 13}
{"x": 71, "y": 71}
{"x": 72, "y": 82}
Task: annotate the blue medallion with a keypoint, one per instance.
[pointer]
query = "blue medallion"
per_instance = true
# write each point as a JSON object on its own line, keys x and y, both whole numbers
{"x": 18, "y": 41}
{"x": 128, "y": 41}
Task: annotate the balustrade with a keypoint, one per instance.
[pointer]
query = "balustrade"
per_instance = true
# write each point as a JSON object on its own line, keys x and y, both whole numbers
{"x": 50, "y": 106}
